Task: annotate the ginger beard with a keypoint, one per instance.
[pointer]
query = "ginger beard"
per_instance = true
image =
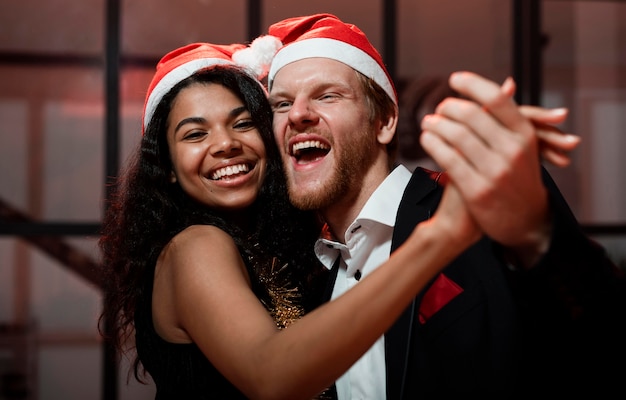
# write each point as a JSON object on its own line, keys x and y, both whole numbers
{"x": 352, "y": 158}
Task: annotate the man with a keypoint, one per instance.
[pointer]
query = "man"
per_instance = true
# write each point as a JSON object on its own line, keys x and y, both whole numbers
{"x": 535, "y": 305}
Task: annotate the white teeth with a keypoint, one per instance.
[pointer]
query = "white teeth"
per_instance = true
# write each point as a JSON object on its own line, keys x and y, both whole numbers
{"x": 316, "y": 144}
{"x": 230, "y": 170}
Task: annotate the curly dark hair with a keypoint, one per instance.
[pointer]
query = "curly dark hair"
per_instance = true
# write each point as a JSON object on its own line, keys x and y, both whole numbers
{"x": 146, "y": 211}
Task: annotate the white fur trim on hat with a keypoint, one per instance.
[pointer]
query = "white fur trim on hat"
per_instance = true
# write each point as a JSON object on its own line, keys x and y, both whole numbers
{"x": 335, "y": 50}
{"x": 172, "y": 78}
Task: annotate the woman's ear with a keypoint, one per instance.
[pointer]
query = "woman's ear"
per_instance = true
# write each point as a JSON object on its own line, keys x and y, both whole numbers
{"x": 172, "y": 177}
{"x": 387, "y": 129}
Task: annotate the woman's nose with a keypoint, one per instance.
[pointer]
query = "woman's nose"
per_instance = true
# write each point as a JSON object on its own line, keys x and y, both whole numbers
{"x": 224, "y": 141}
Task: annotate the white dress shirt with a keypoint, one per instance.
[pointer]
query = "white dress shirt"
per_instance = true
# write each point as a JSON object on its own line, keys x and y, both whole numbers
{"x": 368, "y": 244}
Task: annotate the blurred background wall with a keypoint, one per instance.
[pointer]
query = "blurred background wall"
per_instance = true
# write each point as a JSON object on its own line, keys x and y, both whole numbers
{"x": 73, "y": 75}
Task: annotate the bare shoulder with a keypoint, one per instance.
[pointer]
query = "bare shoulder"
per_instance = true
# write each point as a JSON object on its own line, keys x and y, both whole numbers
{"x": 201, "y": 235}
{"x": 192, "y": 273}
{"x": 199, "y": 250}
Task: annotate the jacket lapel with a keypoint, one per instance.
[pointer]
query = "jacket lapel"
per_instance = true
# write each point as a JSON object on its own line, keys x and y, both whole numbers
{"x": 419, "y": 202}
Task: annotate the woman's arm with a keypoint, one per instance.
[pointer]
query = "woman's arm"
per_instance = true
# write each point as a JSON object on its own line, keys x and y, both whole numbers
{"x": 202, "y": 294}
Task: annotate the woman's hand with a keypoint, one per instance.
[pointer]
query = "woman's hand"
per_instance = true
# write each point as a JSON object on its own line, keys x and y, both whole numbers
{"x": 554, "y": 144}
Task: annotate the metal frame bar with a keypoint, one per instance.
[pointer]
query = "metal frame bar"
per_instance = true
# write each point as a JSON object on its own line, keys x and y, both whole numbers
{"x": 526, "y": 55}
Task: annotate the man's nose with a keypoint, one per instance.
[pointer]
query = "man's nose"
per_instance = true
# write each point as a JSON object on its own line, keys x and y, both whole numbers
{"x": 302, "y": 113}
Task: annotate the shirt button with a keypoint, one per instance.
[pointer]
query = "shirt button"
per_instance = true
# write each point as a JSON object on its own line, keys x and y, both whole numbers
{"x": 357, "y": 275}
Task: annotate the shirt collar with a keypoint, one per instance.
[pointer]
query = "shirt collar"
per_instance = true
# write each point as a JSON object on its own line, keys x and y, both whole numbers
{"x": 381, "y": 207}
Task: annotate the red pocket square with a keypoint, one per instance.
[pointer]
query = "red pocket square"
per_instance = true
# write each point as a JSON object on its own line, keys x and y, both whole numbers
{"x": 438, "y": 295}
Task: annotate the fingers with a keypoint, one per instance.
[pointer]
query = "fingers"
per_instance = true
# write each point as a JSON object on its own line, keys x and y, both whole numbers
{"x": 555, "y": 157}
{"x": 446, "y": 155}
{"x": 495, "y": 98}
{"x": 491, "y": 123}
{"x": 450, "y": 159}
{"x": 544, "y": 115}
{"x": 553, "y": 137}
{"x": 509, "y": 87}
{"x": 554, "y": 144}
{"x": 472, "y": 130}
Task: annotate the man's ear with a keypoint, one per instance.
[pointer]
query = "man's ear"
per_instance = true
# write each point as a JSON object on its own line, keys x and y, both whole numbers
{"x": 387, "y": 129}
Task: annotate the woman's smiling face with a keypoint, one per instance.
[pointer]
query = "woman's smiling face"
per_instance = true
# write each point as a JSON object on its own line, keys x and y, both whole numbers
{"x": 217, "y": 153}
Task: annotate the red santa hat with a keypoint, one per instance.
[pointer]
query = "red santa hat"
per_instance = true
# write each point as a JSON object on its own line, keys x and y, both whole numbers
{"x": 183, "y": 62}
{"x": 325, "y": 35}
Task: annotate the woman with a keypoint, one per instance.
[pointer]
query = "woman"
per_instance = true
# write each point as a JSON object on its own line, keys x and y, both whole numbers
{"x": 207, "y": 261}
{"x": 151, "y": 207}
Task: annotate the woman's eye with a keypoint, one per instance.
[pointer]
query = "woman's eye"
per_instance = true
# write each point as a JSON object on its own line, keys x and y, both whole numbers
{"x": 244, "y": 124}
{"x": 193, "y": 135}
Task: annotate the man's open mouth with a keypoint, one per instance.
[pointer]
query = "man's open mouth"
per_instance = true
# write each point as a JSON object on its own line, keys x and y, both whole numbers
{"x": 309, "y": 150}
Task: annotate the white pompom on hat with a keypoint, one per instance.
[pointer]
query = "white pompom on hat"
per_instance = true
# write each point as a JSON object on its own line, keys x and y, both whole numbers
{"x": 326, "y": 36}
{"x": 258, "y": 55}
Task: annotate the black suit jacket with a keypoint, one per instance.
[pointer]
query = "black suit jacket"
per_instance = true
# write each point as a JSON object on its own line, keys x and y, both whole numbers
{"x": 556, "y": 329}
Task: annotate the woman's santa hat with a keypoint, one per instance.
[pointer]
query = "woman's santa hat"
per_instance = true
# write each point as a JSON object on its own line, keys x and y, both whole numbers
{"x": 326, "y": 36}
{"x": 185, "y": 61}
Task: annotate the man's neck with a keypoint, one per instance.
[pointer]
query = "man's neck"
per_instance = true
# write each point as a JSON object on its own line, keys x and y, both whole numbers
{"x": 343, "y": 212}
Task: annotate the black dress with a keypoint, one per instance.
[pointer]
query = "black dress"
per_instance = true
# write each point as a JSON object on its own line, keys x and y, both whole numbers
{"x": 181, "y": 371}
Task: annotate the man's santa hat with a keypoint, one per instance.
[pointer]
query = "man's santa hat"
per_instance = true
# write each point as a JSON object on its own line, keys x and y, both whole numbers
{"x": 326, "y": 36}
